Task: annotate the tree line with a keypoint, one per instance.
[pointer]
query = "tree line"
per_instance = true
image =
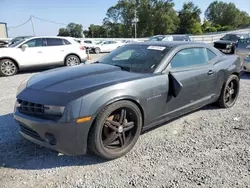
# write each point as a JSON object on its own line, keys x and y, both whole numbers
{"x": 159, "y": 17}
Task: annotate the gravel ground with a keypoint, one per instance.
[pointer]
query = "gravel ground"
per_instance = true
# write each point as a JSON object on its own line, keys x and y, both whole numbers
{"x": 207, "y": 148}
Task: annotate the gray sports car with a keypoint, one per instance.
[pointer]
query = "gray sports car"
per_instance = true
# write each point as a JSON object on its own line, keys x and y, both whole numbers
{"x": 105, "y": 106}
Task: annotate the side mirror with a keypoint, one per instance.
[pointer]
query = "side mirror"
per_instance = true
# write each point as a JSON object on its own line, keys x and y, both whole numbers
{"x": 24, "y": 46}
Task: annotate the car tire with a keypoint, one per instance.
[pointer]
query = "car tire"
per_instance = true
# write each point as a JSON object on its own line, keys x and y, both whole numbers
{"x": 101, "y": 136}
{"x": 8, "y": 67}
{"x": 72, "y": 60}
{"x": 97, "y": 50}
{"x": 232, "y": 50}
{"x": 229, "y": 92}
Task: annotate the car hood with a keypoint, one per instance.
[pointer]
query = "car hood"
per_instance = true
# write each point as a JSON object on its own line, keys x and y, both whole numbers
{"x": 83, "y": 78}
{"x": 226, "y": 42}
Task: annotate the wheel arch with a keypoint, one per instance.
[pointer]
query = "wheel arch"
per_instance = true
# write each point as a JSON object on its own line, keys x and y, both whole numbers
{"x": 12, "y": 59}
{"x": 125, "y": 98}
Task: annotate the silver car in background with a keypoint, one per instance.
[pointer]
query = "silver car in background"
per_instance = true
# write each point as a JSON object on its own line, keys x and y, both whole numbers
{"x": 243, "y": 50}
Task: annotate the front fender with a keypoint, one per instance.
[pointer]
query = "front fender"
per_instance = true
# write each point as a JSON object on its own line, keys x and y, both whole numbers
{"x": 93, "y": 103}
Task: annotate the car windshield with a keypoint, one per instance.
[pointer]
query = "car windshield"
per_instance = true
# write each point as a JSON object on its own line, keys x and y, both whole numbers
{"x": 136, "y": 58}
{"x": 17, "y": 43}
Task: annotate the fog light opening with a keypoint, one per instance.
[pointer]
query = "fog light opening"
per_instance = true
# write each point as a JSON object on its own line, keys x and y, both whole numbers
{"x": 49, "y": 138}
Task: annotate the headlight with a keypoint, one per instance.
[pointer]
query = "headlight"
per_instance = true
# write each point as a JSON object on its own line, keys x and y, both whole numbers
{"x": 22, "y": 86}
{"x": 54, "y": 110}
{"x": 229, "y": 45}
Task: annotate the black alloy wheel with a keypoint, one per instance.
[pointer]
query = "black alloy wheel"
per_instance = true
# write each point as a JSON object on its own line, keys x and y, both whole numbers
{"x": 116, "y": 130}
{"x": 230, "y": 92}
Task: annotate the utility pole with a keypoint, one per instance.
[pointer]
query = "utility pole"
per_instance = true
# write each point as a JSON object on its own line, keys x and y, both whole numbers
{"x": 33, "y": 28}
{"x": 135, "y": 22}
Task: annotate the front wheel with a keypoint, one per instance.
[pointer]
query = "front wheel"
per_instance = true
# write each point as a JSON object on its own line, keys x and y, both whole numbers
{"x": 116, "y": 130}
{"x": 230, "y": 92}
{"x": 7, "y": 67}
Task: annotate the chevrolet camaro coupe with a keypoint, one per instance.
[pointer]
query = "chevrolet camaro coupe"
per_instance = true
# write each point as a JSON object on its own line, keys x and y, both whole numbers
{"x": 103, "y": 107}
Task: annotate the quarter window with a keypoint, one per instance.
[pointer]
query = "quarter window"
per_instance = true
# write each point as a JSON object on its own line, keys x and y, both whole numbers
{"x": 210, "y": 55}
{"x": 34, "y": 43}
{"x": 66, "y": 42}
{"x": 54, "y": 42}
{"x": 190, "y": 57}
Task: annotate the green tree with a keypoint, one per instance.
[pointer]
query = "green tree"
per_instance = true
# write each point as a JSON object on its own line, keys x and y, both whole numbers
{"x": 155, "y": 17}
{"x": 63, "y": 32}
{"x": 190, "y": 21}
{"x": 72, "y": 30}
{"x": 226, "y": 14}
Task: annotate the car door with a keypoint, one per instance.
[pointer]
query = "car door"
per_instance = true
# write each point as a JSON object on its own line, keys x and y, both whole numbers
{"x": 55, "y": 51}
{"x": 106, "y": 46}
{"x": 193, "y": 69}
{"x": 33, "y": 54}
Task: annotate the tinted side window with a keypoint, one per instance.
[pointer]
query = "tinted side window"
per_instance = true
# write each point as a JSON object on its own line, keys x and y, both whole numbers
{"x": 210, "y": 55}
{"x": 54, "y": 42}
{"x": 189, "y": 57}
{"x": 34, "y": 43}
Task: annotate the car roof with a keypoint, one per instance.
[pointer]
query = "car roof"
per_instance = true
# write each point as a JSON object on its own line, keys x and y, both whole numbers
{"x": 169, "y": 44}
{"x": 51, "y": 37}
{"x": 179, "y": 35}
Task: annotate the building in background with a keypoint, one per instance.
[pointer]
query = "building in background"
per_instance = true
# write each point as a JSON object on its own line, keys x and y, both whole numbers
{"x": 3, "y": 30}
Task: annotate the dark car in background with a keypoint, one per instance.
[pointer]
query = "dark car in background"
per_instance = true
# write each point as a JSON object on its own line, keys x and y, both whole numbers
{"x": 17, "y": 39}
{"x": 106, "y": 105}
{"x": 3, "y": 43}
{"x": 228, "y": 43}
{"x": 243, "y": 51}
{"x": 170, "y": 38}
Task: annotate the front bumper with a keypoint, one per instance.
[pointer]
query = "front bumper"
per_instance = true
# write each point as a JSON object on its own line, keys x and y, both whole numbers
{"x": 226, "y": 51}
{"x": 67, "y": 138}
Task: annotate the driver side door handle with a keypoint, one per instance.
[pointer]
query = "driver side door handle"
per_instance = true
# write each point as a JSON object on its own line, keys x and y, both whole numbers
{"x": 210, "y": 72}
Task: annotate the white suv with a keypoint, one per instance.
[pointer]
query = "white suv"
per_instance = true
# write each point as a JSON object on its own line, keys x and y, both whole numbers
{"x": 40, "y": 52}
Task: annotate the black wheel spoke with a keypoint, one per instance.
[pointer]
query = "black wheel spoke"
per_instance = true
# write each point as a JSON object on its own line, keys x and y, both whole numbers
{"x": 114, "y": 128}
{"x": 128, "y": 126}
{"x": 116, "y": 124}
{"x": 122, "y": 139}
{"x": 123, "y": 116}
{"x": 231, "y": 85}
{"x": 111, "y": 138}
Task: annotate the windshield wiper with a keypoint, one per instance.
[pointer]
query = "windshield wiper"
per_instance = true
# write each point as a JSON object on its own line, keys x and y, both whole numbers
{"x": 124, "y": 68}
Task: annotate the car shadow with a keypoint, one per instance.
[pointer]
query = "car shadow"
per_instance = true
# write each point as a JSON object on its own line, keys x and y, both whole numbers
{"x": 18, "y": 153}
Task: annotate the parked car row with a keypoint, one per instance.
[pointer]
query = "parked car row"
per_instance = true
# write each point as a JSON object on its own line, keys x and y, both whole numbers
{"x": 238, "y": 44}
{"x": 33, "y": 52}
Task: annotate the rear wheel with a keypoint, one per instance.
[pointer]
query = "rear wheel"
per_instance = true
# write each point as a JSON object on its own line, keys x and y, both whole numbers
{"x": 7, "y": 67}
{"x": 116, "y": 130}
{"x": 97, "y": 50}
{"x": 230, "y": 92}
{"x": 72, "y": 60}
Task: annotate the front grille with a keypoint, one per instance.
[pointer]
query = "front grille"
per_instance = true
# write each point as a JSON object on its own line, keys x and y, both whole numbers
{"x": 220, "y": 46}
{"x": 35, "y": 110}
{"x": 26, "y": 130}
{"x": 30, "y": 108}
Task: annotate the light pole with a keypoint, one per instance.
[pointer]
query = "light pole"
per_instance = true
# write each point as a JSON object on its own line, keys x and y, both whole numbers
{"x": 135, "y": 20}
